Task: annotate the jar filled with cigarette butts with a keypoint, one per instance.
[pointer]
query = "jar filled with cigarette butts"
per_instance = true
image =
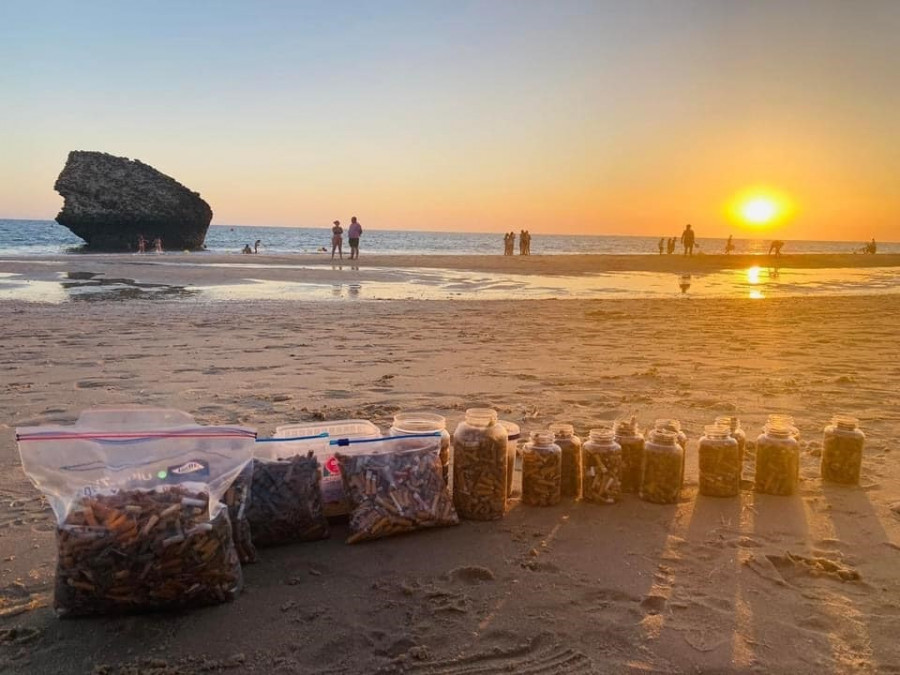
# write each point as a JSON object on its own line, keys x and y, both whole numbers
{"x": 734, "y": 424}
{"x": 680, "y": 437}
{"x": 720, "y": 462}
{"x": 570, "y": 445}
{"x": 601, "y": 473}
{"x": 842, "y": 450}
{"x": 632, "y": 441}
{"x": 513, "y": 434}
{"x": 661, "y": 474}
{"x": 777, "y": 460}
{"x": 541, "y": 470}
{"x": 406, "y": 423}
{"x": 480, "y": 466}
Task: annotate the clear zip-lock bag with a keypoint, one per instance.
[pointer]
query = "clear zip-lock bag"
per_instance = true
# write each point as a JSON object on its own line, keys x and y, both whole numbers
{"x": 137, "y": 497}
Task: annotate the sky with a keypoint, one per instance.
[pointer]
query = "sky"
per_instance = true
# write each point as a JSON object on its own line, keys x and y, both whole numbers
{"x": 619, "y": 117}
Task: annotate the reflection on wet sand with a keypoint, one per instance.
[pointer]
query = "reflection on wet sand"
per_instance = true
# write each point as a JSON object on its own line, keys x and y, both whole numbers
{"x": 342, "y": 282}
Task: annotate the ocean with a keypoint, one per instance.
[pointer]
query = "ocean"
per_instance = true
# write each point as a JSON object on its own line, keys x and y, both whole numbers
{"x": 45, "y": 237}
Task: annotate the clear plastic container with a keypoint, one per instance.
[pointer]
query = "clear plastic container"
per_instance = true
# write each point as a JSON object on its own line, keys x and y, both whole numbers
{"x": 423, "y": 422}
{"x": 480, "y": 452}
{"x": 842, "y": 451}
{"x": 570, "y": 445}
{"x": 601, "y": 467}
{"x": 334, "y": 501}
{"x": 632, "y": 441}
{"x": 661, "y": 475}
{"x": 513, "y": 434}
{"x": 734, "y": 424}
{"x": 777, "y": 460}
{"x": 541, "y": 470}
{"x": 720, "y": 462}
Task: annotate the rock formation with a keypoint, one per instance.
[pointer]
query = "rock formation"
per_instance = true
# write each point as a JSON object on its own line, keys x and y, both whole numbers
{"x": 111, "y": 202}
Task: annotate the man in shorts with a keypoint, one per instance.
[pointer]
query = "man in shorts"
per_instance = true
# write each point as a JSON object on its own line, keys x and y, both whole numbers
{"x": 353, "y": 234}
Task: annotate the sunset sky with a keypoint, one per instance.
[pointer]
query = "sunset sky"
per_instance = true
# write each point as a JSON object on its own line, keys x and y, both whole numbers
{"x": 619, "y": 117}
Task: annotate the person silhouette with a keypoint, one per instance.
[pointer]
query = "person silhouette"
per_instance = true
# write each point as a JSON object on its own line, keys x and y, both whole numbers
{"x": 687, "y": 240}
{"x": 729, "y": 245}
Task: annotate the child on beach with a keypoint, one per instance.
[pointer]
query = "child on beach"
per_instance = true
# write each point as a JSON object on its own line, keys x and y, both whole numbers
{"x": 337, "y": 239}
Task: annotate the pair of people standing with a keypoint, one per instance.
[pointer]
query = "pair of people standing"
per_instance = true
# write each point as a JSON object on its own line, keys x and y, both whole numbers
{"x": 354, "y": 232}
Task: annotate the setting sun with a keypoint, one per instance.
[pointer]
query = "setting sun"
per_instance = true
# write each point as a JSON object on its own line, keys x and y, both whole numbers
{"x": 760, "y": 207}
{"x": 759, "y": 210}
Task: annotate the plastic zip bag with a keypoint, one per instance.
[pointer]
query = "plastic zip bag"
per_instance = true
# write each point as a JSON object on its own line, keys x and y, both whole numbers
{"x": 286, "y": 501}
{"x": 396, "y": 487}
{"x": 136, "y": 494}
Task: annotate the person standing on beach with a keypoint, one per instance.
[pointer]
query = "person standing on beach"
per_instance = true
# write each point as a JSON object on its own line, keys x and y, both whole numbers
{"x": 527, "y": 242}
{"x": 353, "y": 234}
{"x": 521, "y": 242}
{"x": 687, "y": 240}
{"x": 337, "y": 239}
{"x": 661, "y": 244}
{"x": 157, "y": 244}
{"x": 142, "y": 244}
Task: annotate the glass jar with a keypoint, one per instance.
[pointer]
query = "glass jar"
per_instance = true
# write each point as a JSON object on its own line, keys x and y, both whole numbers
{"x": 479, "y": 466}
{"x": 424, "y": 422}
{"x": 513, "y": 434}
{"x": 777, "y": 460}
{"x": 786, "y": 420}
{"x": 680, "y": 437}
{"x": 601, "y": 472}
{"x": 842, "y": 450}
{"x": 663, "y": 466}
{"x": 570, "y": 445}
{"x": 632, "y": 442}
{"x": 541, "y": 470}
{"x": 734, "y": 424}
{"x": 675, "y": 427}
{"x": 720, "y": 462}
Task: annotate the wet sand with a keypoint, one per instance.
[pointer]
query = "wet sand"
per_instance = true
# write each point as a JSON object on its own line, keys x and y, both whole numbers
{"x": 710, "y": 585}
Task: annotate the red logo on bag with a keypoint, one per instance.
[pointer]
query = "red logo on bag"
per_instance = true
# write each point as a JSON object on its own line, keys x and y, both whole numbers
{"x": 332, "y": 468}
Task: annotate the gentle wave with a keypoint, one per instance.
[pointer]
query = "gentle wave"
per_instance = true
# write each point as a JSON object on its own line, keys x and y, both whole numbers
{"x": 39, "y": 237}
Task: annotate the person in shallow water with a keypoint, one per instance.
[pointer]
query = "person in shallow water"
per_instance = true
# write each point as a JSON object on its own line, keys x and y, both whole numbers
{"x": 729, "y": 245}
{"x": 687, "y": 240}
{"x": 775, "y": 247}
{"x": 256, "y": 245}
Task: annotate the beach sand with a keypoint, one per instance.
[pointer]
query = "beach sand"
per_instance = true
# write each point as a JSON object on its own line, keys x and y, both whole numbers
{"x": 707, "y": 585}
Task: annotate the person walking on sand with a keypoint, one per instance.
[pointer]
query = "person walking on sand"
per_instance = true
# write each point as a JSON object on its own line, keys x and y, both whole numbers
{"x": 337, "y": 239}
{"x": 353, "y": 234}
{"x": 661, "y": 244}
{"x": 729, "y": 245}
{"x": 256, "y": 245}
{"x": 687, "y": 240}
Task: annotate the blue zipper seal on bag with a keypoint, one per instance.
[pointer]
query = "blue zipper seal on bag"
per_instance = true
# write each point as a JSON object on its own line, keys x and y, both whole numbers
{"x": 344, "y": 442}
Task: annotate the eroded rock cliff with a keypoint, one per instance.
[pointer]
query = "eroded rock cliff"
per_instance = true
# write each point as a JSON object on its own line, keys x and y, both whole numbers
{"x": 111, "y": 202}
